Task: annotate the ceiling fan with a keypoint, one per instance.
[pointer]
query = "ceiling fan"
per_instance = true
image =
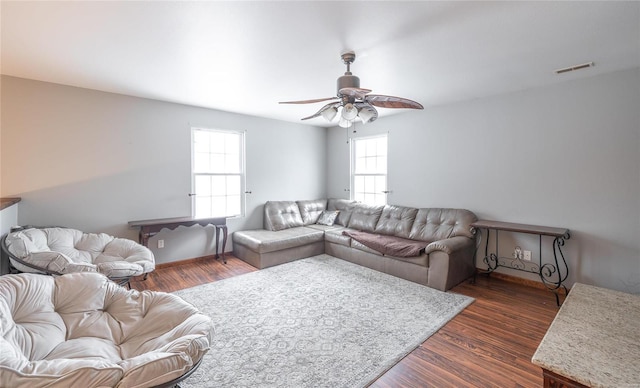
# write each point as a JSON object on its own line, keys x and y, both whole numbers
{"x": 353, "y": 101}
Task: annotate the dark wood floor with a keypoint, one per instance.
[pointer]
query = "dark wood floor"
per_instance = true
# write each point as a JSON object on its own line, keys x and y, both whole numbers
{"x": 489, "y": 344}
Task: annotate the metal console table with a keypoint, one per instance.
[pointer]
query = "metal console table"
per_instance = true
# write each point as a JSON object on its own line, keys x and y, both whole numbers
{"x": 553, "y": 275}
{"x": 149, "y": 228}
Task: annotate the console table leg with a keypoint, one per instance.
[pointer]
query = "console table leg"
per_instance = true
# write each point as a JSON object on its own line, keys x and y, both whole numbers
{"x": 554, "y": 275}
{"x": 224, "y": 241}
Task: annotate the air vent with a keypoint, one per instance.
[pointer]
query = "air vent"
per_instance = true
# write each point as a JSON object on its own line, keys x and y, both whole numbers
{"x": 575, "y": 67}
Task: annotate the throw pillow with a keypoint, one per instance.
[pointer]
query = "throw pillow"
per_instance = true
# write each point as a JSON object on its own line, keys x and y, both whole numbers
{"x": 328, "y": 217}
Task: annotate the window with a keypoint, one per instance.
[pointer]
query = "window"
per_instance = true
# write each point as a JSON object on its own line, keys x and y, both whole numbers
{"x": 217, "y": 168}
{"x": 369, "y": 170}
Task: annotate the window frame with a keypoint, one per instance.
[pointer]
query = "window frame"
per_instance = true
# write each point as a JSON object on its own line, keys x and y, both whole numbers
{"x": 352, "y": 173}
{"x": 242, "y": 174}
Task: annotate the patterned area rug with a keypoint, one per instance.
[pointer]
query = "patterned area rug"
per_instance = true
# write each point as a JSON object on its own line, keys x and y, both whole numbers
{"x": 316, "y": 322}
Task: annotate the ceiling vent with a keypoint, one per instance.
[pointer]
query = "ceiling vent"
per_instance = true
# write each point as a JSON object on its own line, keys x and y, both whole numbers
{"x": 575, "y": 67}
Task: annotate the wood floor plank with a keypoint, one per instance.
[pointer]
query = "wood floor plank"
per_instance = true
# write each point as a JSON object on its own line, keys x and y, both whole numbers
{"x": 489, "y": 344}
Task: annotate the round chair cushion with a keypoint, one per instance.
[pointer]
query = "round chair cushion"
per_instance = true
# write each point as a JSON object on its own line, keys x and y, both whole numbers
{"x": 82, "y": 330}
{"x": 65, "y": 250}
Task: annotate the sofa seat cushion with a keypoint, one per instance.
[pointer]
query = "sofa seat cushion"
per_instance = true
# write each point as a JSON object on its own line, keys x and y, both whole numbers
{"x": 325, "y": 228}
{"x": 264, "y": 241}
{"x": 335, "y": 236}
{"x": 422, "y": 260}
{"x": 388, "y": 245}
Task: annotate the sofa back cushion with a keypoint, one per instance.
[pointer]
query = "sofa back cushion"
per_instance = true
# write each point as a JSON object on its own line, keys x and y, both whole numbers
{"x": 345, "y": 206}
{"x": 396, "y": 221}
{"x": 437, "y": 224}
{"x": 365, "y": 217}
{"x": 311, "y": 210}
{"x": 279, "y": 215}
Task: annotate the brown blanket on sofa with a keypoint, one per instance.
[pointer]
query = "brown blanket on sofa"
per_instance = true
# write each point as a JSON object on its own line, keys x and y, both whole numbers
{"x": 388, "y": 245}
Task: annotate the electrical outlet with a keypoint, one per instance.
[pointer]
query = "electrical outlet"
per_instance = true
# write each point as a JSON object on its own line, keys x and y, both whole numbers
{"x": 160, "y": 243}
{"x": 526, "y": 255}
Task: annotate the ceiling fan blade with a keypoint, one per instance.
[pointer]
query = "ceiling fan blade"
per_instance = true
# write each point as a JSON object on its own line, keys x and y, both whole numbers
{"x": 308, "y": 101}
{"x": 391, "y": 102}
{"x": 363, "y": 105}
{"x": 318, "y": 113}
{"x": 358, "y": 93}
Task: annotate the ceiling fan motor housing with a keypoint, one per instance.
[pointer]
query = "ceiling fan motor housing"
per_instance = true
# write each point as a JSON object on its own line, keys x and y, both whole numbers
{"x": 348, "y": 81}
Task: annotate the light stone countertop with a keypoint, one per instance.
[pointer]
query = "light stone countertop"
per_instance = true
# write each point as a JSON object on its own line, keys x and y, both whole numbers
{"x": 594, "y": 339}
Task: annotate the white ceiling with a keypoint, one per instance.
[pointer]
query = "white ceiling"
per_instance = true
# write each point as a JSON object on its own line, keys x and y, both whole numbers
{"x": 246, "y": 56}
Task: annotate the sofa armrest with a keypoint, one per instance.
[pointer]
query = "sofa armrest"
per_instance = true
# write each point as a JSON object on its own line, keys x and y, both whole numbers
{"x": 451, "y": 261}
{"x": 449, "y": 245}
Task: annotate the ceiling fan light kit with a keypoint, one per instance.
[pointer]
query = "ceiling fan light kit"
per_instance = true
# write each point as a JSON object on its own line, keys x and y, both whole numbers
{"x": 349, "y": 112}
{"x": 365, "y": 115}
{"x": 353, "y": 101}
{"x": 329, "y": 114}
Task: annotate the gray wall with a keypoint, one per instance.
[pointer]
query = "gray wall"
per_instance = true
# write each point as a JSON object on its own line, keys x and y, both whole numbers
{"x": 8, "y": 219}
{"x": 94, "y": 161}
{"x": 563, "y": 156}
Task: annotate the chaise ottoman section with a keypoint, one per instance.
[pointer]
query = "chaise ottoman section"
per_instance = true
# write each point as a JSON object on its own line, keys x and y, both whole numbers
{"x": 265, "y": 248}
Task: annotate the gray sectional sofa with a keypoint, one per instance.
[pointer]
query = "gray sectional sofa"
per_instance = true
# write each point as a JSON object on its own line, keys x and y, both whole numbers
{"x": 431, "y": 246}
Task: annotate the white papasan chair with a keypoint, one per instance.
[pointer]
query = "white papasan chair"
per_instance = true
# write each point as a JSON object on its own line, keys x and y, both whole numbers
{"x": 83, "y": 330}
{"x": 58, "y": 251}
